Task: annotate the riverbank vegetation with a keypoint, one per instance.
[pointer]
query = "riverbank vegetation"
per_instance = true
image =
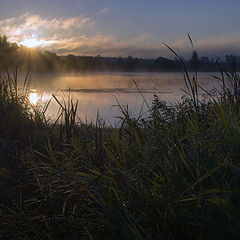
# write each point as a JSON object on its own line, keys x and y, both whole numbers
{"x": 172, "y": 175}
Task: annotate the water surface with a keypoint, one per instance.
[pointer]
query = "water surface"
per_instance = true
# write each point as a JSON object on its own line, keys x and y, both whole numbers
{"x": 100, "y": 93}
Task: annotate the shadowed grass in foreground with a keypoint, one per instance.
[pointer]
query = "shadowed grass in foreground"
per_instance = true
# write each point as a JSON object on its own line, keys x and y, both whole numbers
{"x": 174, "y": 175}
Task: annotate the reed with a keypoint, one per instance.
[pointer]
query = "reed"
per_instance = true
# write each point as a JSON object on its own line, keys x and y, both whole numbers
{"x": 172, "y": 175}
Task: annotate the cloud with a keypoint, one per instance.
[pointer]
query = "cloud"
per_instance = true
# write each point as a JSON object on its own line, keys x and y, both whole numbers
{"x": 223, "y": 44}
{"x": 80, "y": 36}
{"x": 212, "y": 46}
{"x": 107, "y": 45}
{"x": 104, "y": 10}
{"x": 215, "y": 46}
{"x": 77, "y": 35}
{"x": 34, "y": 26}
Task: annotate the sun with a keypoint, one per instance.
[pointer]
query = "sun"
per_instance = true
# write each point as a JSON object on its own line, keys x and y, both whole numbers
{"x": 31, "y": 42}
{"x": 34, "y": 42}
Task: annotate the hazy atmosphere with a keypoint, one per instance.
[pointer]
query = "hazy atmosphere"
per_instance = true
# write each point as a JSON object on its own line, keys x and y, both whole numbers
{"x": 119, "y": 120}
{"x": 122, "y": 28}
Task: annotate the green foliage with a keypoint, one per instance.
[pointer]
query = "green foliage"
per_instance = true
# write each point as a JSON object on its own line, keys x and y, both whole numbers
{"x": 173, "y": 175}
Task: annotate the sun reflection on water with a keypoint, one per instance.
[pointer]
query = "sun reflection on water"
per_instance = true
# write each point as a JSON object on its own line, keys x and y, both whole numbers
{"x": 33, "y": 97}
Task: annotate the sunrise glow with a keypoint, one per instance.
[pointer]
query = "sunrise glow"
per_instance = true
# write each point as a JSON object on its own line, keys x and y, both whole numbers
{"x": 33, "y": 42}
{"x": 33, "y": 97}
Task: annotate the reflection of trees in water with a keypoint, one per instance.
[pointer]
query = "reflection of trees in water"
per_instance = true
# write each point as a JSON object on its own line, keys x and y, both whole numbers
{"x": 130, "y": 83}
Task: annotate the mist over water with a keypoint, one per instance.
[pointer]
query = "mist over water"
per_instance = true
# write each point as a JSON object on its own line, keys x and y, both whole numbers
{"x": 101, "y": 92}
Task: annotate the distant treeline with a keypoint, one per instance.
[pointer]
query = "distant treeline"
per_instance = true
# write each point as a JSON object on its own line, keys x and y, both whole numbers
{"x": 35, "y": 60}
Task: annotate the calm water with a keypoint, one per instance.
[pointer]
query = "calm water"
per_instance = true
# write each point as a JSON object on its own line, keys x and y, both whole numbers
{"x": 101, "y": 92}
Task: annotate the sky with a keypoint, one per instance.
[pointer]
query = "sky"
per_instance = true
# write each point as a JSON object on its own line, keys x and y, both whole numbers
{"x": 124, "y": 27}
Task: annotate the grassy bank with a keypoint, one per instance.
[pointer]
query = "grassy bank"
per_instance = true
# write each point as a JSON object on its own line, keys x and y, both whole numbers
{"x": 174, "y": 175}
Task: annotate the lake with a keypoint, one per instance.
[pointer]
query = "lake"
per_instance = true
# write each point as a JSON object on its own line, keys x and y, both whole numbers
{"x": 101, "y": 92}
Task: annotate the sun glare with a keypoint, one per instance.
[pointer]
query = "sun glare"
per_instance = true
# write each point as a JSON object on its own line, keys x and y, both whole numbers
{"x": 33, "y": 42}
{"x": 33, "y": 97}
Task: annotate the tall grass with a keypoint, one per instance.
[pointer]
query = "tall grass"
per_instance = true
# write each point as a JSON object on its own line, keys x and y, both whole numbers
{"x": 173, "y": 175}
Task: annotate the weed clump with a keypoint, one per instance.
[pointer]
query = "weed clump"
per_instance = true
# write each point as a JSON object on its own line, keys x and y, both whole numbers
{"x": 172, "y": 175}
